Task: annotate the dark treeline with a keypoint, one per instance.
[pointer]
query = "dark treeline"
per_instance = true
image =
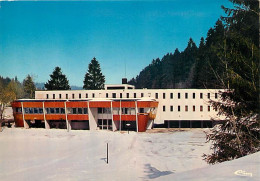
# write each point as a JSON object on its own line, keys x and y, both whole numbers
{"x": 195, "y": 67}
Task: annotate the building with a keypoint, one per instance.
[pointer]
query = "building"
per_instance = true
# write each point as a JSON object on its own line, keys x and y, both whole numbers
{"x": 118, "y": 107}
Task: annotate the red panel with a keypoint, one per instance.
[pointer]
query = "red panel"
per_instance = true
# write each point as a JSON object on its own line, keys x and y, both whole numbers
{"x": 77, "y": 117}
{"x": 53, "y": 104}
{"x": 116, "y": 117}
{"x": 32, "y": 104}
{"x": 33, "y": 116}
{"x": 55, "y": 117}
{"x": 124, "y": 118}
{"x": 18, "y": 118}
{"x": 143, "y": 104}
{"x": 127, "y": 104}
{"x": 77, "y": 104}
{"x": 142, "y": 123}
{"x": 116, "y": 104}
{"x": 100, "y": 104}
{"x": 16, "y": 104}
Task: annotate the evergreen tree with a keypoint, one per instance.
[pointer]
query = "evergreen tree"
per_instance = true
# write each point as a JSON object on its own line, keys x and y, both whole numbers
{"x": 29, "y": 87}
{"x": 238, "y": 135}
{"x": 58, "y": 81}
{"x": 94, "y": 79}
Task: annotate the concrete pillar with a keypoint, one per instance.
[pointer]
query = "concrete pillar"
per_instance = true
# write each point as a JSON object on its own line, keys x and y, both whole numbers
{"x": 92, "y": 114}
{"x": 120, "y": 113}
{"x": 136, "y": 112}
{"x": 112, "y": 118}
{"x": 66, "y": 115}
{"x": 46, "y": 123}
{"x": 25, "y": 124}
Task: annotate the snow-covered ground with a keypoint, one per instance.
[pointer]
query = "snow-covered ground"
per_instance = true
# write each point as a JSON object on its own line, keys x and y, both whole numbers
{"x": 39, "y": 154}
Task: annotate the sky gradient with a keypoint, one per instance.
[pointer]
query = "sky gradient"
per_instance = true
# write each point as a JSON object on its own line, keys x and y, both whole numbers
{"x": 35, "y": 37}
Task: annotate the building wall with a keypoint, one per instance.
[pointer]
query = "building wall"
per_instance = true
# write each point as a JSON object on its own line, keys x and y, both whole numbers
{"x": 169, "y": 101}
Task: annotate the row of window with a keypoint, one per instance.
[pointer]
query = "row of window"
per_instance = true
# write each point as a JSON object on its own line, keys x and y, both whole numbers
{"x": 114, "y": 95}
{"x": 187, "y": 108}
{"x": 52, "y": 110}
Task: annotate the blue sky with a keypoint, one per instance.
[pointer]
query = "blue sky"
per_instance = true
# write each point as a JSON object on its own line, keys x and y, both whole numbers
{"x": 35, "y": 37}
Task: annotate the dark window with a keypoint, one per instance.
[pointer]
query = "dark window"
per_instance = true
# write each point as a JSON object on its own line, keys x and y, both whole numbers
{"x": 47, "y": 96}
{"x": 47, "y": 110}
{"x": 193, "y": 95}
{"x": 141, "y": 110}
{"x": 79, "y": 96}
{"x": 114, "y": 95}
{"x": 201, "y": 108}
{"x": 67, "y": 96}
{"x": 86, "y": 95}
{"x": 62, "y": 110}
{"x": 186, "y": 108}
{"x": 142, "y": 94}
{"x": 121, "y": 95}
{"x": 201, "y": 95}
{"x": 179, "y": 108}
{"x": 79, "y": 110}
{"x": 179, "y": 95}
{"x": 171, "y": 95}
{"x": 53, "y": 96}
{"x": 73, "y": 96}
{"x": 163, "y": 108}
{"x": 60, "y": 96}
{"x": 106, "y": 95}
{"x": 208, "y": 95}
{"x": 208, "y": 108}
{"x": 186, "y": 95}
{"x": 156, "y": 96}
{"x": 93, "y": 95}
{"x": 52, "y": 110}
{"x": 193, "y": 108}
{"x": 216, "y": 95}
{"x": 171, "y": 108}
{"x": 40, "y": 110}
{"x": 134, "y": 95}
{"x": 163, "y": 95}
{"x": 85, "y": 110}
{"x": 100, "y": 110}
{"x": 35, "y": 110}
{"x": 57, "y": 110}
{"x": 127, "y": 95}
{"x": 74, "y": 110}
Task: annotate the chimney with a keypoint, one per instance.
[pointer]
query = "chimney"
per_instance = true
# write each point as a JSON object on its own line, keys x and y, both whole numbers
{"x": 124, "y": 80}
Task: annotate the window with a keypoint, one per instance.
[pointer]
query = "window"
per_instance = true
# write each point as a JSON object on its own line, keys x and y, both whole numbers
{"x": 93, "y": 95}
{"x": 106, "y": 95}
{"x": 35, "y": 110}
{"x": 74, "y": 110}
{"x": 208, "y": 108}
{"x": 208, "y": 95}
{"x": 186, "y": 108}
{"x": 216, "y": 95}
{"x": 163, "y": 108}
{"x": 186, "y": 95}
{"x": 134, "y": 95}
{"x": 62, "y": 110}
{"x": 73, "y": 96}
{"x": 40, "y": 110}
{"x": 79, "y": 96}
{"x": 86, "y": 95}
{"x": 47, "y": 96}
{"x": 100, "y": 111}
{"x": 79, "y": 110}
{"x": 163, "y": 95}
{"x": 60, "y": 96}
{"x": 193, "y": 96}
{"x": 201, "y": 95}
{"x": 52, "y": 110}
{"x": 121, "y": 95}
{"x": 171, "y": 108}
{"x": 179, "y": 108}
{"x": 179, "y": 95}
{"x": 57, "y": 110}
{"x": 201, "y": 108}
{"x": 114, "y": 95}
{"x": 171, "y": 95}
{"x": 141, "y": 110}
{"x": 156, "y": 96}
{"x": 127, "y": 95}
{"x": 67, "y": 96}
{"x": 124, "y": 110}
{"x": 53, "y": 96}
{"x": 142, "y": 94}
{"x": 85, "y": 110}
{"x": 194, "y": 109}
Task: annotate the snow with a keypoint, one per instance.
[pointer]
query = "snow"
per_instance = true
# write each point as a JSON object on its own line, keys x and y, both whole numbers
{"x": 40, "y": 154}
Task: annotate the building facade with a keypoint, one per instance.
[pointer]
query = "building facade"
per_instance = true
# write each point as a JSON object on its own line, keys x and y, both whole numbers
{"x": 120, "y": 107}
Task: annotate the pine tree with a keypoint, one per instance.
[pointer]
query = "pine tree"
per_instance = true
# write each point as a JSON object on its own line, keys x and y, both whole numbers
{"x": 58, "y": 81}
{"x": 29, "y": 87}
{"x": 238, "y": 135}
{"x": 94, "y": 79}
